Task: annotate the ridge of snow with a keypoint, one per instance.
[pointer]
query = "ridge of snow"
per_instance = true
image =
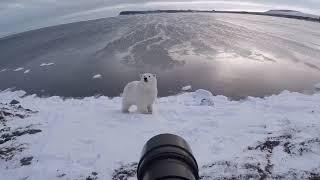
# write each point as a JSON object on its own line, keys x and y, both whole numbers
{"x": 80, "y": 136}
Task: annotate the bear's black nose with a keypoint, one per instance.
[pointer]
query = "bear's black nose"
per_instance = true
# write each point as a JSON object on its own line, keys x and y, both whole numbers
{"x": 145, "y": 79}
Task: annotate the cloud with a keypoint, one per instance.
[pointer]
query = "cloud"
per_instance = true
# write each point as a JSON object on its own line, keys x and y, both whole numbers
{"x": 22, "y": 15}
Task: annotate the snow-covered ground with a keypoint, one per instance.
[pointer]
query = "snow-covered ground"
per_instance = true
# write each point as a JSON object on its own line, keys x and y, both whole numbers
{"x": 258, "y": 138}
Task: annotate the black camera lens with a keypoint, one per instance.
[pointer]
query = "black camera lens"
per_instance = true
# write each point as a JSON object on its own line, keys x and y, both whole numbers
{"x": 167, "y": 157}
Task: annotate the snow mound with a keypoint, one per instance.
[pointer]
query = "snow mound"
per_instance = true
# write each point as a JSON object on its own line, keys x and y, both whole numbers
{"x": 203, "y": 97}
{"x": 258, "y": 138}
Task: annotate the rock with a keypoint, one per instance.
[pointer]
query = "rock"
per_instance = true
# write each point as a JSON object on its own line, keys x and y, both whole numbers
{"x": 125, "y": 171}
{"x": 12, "y": 135}
{"x": 5, "y": 113}
{"x": 26, "y": 161}
{"x": 61, "y": 175}
{"x": 7, "y": 153}
{"x": 14, "y": 102}
{"x": 20, "y": 116}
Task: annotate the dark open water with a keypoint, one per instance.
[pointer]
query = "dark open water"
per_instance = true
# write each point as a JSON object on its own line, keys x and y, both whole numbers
{"x": 228, "y": 54}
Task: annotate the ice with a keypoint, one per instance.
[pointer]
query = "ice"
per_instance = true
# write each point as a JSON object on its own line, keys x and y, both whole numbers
{"x": 186, "y": 88}
{"x": 18, "y": 69}
{"x": 97, "y": 76}
{"x": 26, "y": 71}
{"x": 292, "y": 13}
{"x": 46, "y": 64}
{"x": 229, "y": 139}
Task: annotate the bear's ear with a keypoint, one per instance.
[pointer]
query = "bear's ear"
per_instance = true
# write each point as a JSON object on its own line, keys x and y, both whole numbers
{"x": 154, "y": 75}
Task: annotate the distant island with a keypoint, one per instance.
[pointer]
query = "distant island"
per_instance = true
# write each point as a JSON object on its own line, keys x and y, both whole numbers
{"x": 277, "y": 13}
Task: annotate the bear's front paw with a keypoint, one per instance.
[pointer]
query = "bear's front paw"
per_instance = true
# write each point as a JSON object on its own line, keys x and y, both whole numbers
{"x": 150, "y": 109}
{"x": 145, "y": 112}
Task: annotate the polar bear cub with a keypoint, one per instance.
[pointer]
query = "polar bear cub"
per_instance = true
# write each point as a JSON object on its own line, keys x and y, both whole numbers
{"x": 141, "y": 93}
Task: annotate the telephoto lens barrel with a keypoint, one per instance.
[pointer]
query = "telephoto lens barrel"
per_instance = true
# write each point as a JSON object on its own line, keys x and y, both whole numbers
{"x": 167, "y": 157}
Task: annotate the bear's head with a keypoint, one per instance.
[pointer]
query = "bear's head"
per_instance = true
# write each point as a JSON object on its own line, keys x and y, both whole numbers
{"x": 148, "y": 79}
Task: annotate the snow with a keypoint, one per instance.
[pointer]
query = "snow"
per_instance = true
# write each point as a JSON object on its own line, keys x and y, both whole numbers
{"x": 229, "y": 139}
{"x": 18, "y": 69}
{"x": 186, "y": 88}
{"x": 46, "y": 64}
{"x": 3, "y": 70}
{"x": 26, "y": 71}
{"x": 97, "y": 76}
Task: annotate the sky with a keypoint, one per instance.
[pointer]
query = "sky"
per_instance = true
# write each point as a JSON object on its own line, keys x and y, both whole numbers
{"x": 22, "y": 15}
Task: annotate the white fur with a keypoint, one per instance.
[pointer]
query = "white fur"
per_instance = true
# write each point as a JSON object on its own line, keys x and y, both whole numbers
{"x": 140, "y": 93}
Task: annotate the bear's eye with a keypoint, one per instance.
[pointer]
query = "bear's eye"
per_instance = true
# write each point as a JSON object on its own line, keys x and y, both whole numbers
{"x": 149, "y": 76}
